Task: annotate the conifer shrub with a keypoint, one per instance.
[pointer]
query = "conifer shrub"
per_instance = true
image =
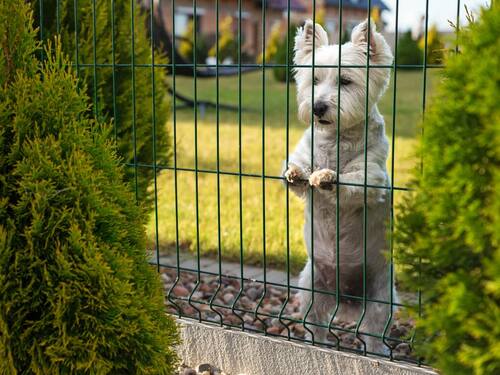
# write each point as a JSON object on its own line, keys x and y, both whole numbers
{"x": 228, "y": 45}
{"x": 409, "y": 53}
{"x": 284, "y": 55}
{"x": 76, "y": 292}
{"x": 448, "y": 231}
{"x": 435, "y": 46}
{"x": 132, "y": 108}
{"x": 186, "y": 45}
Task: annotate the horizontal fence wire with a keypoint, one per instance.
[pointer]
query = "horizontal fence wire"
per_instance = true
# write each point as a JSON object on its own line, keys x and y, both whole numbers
{"x": 205, "y": 298}
{"x": 259, "y": 66}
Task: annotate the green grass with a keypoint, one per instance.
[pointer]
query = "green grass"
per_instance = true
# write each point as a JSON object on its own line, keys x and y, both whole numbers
{"x": 254, "y": 158}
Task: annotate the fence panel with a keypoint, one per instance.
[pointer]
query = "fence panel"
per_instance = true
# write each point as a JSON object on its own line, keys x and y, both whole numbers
{"x": 259, "y": 292}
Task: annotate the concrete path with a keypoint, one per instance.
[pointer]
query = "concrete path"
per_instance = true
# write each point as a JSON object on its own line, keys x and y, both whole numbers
{"x": 227, "y": 268}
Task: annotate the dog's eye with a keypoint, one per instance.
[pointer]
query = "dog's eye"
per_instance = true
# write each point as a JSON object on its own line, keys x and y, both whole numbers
{"x": 344, "y": 81}
{"x": 315, "y": 81}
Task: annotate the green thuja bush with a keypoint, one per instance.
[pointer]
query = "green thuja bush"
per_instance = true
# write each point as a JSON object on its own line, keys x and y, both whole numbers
{"x": 131, "y": 108}
{"x": 409, "y": 53}
{"x": 284, "y": 55}
{"x": 77, "y": 295}
{"x": 448, "y": 232}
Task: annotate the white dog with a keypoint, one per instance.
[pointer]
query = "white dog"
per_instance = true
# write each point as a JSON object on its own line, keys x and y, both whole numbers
{"x": 322, "y": 175}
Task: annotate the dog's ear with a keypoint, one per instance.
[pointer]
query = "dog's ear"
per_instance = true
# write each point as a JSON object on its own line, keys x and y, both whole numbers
{"x": 304, "y": 40}
{"x": 359, "y": 36}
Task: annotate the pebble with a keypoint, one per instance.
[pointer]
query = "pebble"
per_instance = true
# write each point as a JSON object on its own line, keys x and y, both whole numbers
{"x": 189, "y": 371}
{"x": 165, "y": 278}
{"x": 180, "y": 291}
{"x": 197, "y": 295}
{"x": 403, "y": 349}
{"x": 275, "y": 292}
{"x": 229, "y": 289}
{"x": 245, "y": 301}
{"x": 205, "y": 368}
{"x": 189, "y": 310}
{"x": 274, "y": 330}
{"x": 228, "y": 298}
{"x": 276, "y": 322}
{"x": 299, "y": 329}
{"x": 275, "y": 301}
{"x": 204, "y": 288}
{"x": 252, "y": 294}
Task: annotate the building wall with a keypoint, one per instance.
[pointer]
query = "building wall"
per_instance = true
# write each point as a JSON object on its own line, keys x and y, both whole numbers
{"x": 350, "y": 18}
{"x": 251, "y": 22}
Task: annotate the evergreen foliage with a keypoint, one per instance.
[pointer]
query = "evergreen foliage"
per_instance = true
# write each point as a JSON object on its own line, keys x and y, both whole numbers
{"x": 228, "y": 45}
{"x": 409, "y": 52}
{"x": 76, "y": 292}
{"x": 435, "y": 46}
{"x": 186, "y": 44}
{"x": 283, "y": 54}
{"x": 448, "y": 232}
{"x": 132, "y": 108}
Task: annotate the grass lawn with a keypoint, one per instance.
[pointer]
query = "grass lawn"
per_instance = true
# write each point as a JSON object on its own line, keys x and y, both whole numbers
{"x": 255, "y": 160}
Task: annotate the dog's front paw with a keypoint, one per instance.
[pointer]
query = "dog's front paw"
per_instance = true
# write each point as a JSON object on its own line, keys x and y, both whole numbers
{"x": 295, "y": 176}
{"x": 323, "y": 179}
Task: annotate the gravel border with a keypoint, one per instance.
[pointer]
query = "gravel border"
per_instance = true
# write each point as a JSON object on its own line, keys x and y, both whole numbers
{"x": 270, "y": 304}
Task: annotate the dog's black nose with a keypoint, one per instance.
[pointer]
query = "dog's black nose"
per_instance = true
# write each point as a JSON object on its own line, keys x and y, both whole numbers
{"x": 320, "y": 108}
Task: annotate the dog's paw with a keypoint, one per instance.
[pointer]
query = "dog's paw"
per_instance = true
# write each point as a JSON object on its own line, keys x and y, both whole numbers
{"x": 295, "y": 176}
{"x": 323, "y": 179}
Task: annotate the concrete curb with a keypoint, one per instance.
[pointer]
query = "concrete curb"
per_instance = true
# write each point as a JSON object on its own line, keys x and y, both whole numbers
{"x": 238, "y": 352}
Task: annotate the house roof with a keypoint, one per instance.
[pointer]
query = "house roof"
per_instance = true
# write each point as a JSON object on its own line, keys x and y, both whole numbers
{"x": 360, "y": 4}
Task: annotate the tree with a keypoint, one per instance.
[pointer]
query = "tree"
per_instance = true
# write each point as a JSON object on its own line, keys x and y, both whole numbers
{"x": 131, "y": 106}
{"x": 448, "y": 231}
{"x": 186, "y": 44}
{"x": 284, "y": 55}
{"x": 228, "y": 46}
{"x": 76, "y": 292}
{"x": 409, "y": 52}
{"x": 435, "y": 46}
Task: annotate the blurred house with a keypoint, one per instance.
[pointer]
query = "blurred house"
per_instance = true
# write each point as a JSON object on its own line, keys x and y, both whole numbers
{"x": 353, "y": 12}
{"x": 252, "y": 14}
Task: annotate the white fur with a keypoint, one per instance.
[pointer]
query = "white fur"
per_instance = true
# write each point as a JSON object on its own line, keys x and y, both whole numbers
{"x": 351, "y": 169}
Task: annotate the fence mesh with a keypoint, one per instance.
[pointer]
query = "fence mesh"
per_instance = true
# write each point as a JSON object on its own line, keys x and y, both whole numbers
{"x": 251, "y": 294}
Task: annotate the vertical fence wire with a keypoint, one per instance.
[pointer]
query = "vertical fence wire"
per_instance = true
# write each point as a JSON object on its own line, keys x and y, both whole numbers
{"x": 365, "y": 177}
{"x": 240, "y": 182}
{"x": 391, "y": 218}
{"x": 113, "y": 72}
{"x": 94, "y": 59}
{"x": 424, "y": 92}
{"x": 196, "y": 183}
{"x": 263, "y": 167}
{"x": 176, "y": 192}
{"x": 58, "y": 15}
{"x": 337, "y": 192}
{"x": 217, "y": 136}
{"x": 134, "y": 133}
{"x": 40, "y": 10}
{"x": 75, "y": 16}
{"x": 153, "y": 120}
{"x": 287, "y": 188}
{"x": 311, "y": 190}
{"x": 457, "y": 27}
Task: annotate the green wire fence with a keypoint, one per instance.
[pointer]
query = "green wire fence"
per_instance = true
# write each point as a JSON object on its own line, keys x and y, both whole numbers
{"x": 235, "y": 312}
